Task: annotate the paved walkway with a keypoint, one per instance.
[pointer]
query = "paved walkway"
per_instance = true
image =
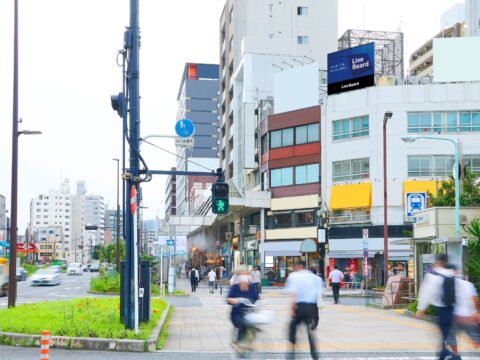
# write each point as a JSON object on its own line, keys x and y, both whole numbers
{"x": 201, "y": 323}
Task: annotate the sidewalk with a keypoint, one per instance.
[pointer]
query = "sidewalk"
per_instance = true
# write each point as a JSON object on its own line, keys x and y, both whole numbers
{"x": 205, "y": 326}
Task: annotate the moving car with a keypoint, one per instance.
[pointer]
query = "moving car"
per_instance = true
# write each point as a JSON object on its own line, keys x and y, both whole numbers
{"x": 55, "y": 268}
{"x": 74, "y": 269}
{"x": 45, "y": 277}
{"x": 3, "y": 277}
{"x": 21, "y": 274}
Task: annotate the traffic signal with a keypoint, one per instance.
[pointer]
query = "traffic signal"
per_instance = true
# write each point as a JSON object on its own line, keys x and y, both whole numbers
{"x": 220, "y": 198}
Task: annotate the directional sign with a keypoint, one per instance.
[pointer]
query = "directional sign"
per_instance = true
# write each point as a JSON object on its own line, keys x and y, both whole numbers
{"x": 184, "y": 128}
{"x": 415, "y": 202}
{"x": 133, "y": 200}
{"x": 187, "y": 142}
{"x": 170, "y": 242}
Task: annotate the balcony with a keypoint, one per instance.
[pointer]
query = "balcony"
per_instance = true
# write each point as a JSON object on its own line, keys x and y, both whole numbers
{"x": 349, "y": 219}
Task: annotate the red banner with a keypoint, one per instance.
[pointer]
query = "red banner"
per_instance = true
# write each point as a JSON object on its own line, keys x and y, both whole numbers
{"x": 26, "y": 247}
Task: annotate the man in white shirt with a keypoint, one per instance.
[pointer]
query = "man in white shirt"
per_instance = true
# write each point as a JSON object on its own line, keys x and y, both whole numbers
{"x": 336, "y": 277}
{"x": 212, "y": 278}
{"x": 256, "y": 279}
{"x": 304, "y": 288}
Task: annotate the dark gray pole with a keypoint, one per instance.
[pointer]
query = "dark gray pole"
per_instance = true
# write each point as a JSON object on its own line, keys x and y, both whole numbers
{"x": 387, "y": 116}
{"x": 12, "y": 277}
{"x": 117, "y": 254}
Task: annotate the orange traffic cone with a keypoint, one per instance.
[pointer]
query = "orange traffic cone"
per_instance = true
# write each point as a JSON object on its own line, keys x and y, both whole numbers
{"x": 44, "y": 345}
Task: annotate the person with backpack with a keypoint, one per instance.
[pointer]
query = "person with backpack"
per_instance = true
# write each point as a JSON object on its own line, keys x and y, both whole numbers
{"x": 194, "y": 278}
{"x": 438, "y": 290}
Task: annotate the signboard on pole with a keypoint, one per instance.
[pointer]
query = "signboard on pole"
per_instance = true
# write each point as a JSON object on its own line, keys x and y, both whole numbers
{"x": 133, "y": 210}
{"x": 185, "y": 142}
{"x": 184, "y": 128}
{"x": 415, "y": 202}
{"x": 365, "y": 251}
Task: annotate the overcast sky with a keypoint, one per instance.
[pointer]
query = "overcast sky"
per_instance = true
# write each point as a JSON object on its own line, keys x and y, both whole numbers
{"x": 68, "y": 70}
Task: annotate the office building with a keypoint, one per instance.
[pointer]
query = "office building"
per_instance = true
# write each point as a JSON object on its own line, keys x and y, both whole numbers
{"x": 171, "y": 195}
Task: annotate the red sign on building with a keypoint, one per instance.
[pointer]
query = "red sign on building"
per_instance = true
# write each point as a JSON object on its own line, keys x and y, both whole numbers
{"x": 26, "y": 247}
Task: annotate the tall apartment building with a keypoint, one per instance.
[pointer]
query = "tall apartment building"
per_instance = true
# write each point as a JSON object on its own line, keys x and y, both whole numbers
{"x": 3, "y": 219}
{"x": 94, "y": 214}
{"x": 198, "y": 102}
{"x": 472, "y": 17}
{"x": 171, "y": 195}
{"x": 54, "y": 210}
{"x": 111, "y": 223}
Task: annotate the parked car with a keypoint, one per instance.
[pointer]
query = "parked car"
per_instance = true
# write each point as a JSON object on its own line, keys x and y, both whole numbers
{"x": 21, "y": 274}
{"x": 3, "y": 277}
{"x": 94, "y": 267}
{"x": 56, "y": 268}
{"x": 45, "y": 277}
{"x": 85, "y": 267}
{"x": 74, "y": 269}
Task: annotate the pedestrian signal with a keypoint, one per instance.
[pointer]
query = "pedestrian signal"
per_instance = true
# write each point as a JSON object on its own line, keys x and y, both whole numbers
{"x": 220, "y": 198}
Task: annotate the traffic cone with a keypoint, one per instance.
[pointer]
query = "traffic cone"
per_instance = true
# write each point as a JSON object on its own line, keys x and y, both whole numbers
{"x": 44, "y": 345}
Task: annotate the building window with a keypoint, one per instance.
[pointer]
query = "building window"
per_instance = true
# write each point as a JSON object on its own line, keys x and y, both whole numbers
{"x": 350, "y": 128}
{"x": 270, "y": 9}
{"x": 307, "y": 174}
{"x": 302, "y": 11}
{"x": 282, "y": 219}
{"x": 302, "y": 40}
{"x": 355, "y": 169}
{"x": 430, "y": 166}
{"x": 307, "y": 134}
{"x": 264, "y": 144}
{"x": 281, "y": 138}
{"x": 350, "y": 216}
{"x": 282, "y": 177}
{"x": 472, "y": 162}
{"x": 304, "y": 218}
{"x": 443, "y": 122}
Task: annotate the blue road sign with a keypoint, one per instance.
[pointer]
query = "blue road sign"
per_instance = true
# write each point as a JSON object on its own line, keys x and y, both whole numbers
{"x": 365, "y": 253}
{"x": 170, "y": 242}
{"x": 415, "y": 202}
{"x": 184, "y": 128}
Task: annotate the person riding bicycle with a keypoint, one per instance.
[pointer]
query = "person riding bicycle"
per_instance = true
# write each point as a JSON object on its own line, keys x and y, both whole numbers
{"x": 246, "y": 290}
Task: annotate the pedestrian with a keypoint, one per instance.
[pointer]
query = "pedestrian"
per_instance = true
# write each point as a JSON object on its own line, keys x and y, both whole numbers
{"x": 256, "y": 279}
{"x": 212, "y": 278}
{"x": 347, "y": 278}
{"x": 304, "y": 288}
{"x": 335, "y": 278}
{"x": 193, "y": 275}
{"x": 438, "y": 289}
{"x": 466, "y": 317}
{"x": 242, "y": 289}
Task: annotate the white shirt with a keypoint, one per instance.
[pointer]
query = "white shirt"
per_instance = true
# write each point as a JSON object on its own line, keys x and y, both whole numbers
{"x": 431, "y": 291}
{"x": 306, "y": 286}
{"x": 256, "y": 276}
{"x": 212, "y": 275}
{"x": 464, "y": 294}
{"x": 336, "y": 276}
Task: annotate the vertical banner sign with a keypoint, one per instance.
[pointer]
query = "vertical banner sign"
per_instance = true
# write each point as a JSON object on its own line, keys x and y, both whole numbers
{"x": 365, "y": 252}
{"x": 133, "y": 210}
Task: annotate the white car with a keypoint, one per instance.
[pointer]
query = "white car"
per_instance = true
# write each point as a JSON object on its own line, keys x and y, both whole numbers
{"x": 74, "y": 269}
{"x": 45, "y": 277}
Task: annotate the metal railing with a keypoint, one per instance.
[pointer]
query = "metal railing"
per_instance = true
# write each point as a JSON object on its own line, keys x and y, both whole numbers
{"x": 350, "y": 219}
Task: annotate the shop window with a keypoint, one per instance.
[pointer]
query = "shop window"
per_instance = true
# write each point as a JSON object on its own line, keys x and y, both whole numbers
{"x": 304, "y": 218}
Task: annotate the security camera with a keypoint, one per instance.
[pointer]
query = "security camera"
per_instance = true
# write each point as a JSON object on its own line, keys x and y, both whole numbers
{"x": 118, "y": 103}
{"x": 388, "y": 114}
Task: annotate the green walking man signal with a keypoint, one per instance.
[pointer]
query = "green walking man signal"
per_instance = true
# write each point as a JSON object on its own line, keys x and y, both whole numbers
{"x": 220, "y": 198}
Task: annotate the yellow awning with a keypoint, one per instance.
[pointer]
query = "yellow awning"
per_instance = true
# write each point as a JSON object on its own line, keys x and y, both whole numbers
{"x": 413, "y": 186}
{"x": 351, "y": 196}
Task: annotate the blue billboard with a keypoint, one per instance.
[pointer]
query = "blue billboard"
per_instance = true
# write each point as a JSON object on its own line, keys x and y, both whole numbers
{"x": 351, "y": 69}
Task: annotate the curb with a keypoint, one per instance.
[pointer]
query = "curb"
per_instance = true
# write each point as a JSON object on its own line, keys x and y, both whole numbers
{"x": 102, "y": 344}
{"x": 428, "y": 318}
{"x": 114, "y": 293}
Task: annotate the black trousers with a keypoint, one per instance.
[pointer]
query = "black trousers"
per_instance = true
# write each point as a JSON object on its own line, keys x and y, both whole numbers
{"x": 336, "y": 291}
{"x": 307, "y": 314}
{"x": 194, "y": 284}
{"x": 445, "y": 321}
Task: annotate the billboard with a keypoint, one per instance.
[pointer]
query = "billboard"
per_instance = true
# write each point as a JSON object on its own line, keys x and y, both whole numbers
{"x": 351, "y": 69}
{"x": 456, "y": 59}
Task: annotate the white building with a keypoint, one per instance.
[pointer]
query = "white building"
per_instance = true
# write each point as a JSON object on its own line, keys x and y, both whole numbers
{"x": 352, "y": 157}
{"x": 54, "y": 210}
{"x": 94, "y": 215}
{"x": 79, "y": 235}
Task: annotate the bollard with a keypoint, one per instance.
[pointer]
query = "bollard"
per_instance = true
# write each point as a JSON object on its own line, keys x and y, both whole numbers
{"x": 44, "y": 345}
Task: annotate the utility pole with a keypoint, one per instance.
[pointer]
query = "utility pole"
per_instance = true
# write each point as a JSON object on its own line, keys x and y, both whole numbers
{"x": 117, "y": 240}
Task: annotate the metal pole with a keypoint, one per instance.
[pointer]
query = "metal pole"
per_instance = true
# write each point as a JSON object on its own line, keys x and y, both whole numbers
{"x": 117, "y": 250}
{"x": 262, "y": 242}
{"x": 12, "y": 277}
{"x": 457, "y": 192}
{"x": 385, "y": 205}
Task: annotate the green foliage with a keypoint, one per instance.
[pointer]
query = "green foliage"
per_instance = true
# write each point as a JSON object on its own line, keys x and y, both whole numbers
{"x": 97, "y": 251}
{"x": 105, "y": 284}
{"x": 97, "y": 318}
{"x": 30, "y": 269}
{"x": 473, "y": 263}
{"x": 413, "y": 308}
{"x": 108, "y": 253}
{"x": 470, "y": 195}
{"x": 164, "y": 334}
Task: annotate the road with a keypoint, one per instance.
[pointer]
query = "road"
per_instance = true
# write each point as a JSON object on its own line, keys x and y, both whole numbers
{"x": 71, "y": 287}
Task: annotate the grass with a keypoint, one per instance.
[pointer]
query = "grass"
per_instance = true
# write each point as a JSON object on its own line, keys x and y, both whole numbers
{"x": 105, "y": 284}
{"x": 30, "y": 269}
{"x": 177, "y": 292}
{"x": 164, "y": 334}
{"x": 96, "y": 318}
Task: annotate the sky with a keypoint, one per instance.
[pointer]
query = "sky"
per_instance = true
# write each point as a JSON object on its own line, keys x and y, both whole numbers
{"x": 68, "y": 71}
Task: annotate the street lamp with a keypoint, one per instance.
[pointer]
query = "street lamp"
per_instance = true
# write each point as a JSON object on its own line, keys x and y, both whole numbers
{"x": 411, "y": 139}
{"x": 387, "y": 116}
{"x": 117, "y": 255}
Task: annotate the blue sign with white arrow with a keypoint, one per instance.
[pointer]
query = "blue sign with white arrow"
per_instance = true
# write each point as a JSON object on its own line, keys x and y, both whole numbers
{"x": 170, "y": 242}
{"x": 184, "y": 128}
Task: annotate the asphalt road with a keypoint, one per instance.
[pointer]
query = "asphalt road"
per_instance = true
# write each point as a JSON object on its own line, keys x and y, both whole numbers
{"x": 71, "y": 287}
{"x": 7, "y": 352}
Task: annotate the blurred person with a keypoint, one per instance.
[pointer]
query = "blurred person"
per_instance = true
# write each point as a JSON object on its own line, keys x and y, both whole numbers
{"x": 465, "y": 314}
{"x": 438, "y": 289}
{"x": 212, "y": 278}
{"x": 242, "y": 289}
{"x": 194, "y": 276}
{"x": 347, "y": 279}
{"x": 256, "y": 279}
{"x": 335, "y": 277}
{"x": 304, "y": 288}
